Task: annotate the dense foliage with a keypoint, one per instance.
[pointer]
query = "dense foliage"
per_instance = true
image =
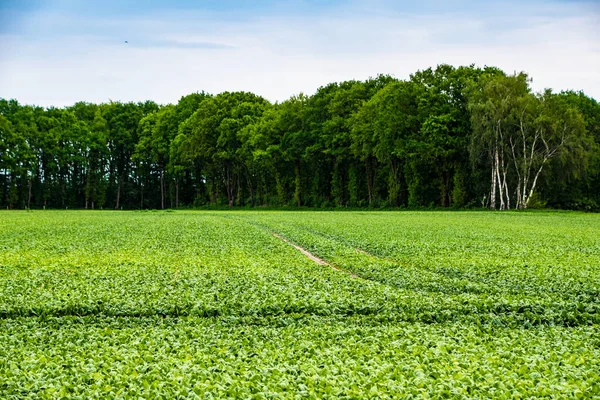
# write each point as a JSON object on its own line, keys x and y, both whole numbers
{"x": 212, "y": 305}
{"x": 447, "y": 137}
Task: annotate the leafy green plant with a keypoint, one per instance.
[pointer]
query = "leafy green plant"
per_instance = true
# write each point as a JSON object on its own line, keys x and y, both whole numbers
{"x": 211, "y": 304}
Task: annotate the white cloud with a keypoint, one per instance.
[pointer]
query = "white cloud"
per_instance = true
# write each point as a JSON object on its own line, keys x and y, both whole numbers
{"x": 276, "y": 56}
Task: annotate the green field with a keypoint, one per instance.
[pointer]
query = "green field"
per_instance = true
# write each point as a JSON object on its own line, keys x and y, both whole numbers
{"x": 213, "y": 305}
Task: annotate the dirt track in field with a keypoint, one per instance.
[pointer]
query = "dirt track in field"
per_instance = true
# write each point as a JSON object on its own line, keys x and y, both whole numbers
{"x": 314, "y": 258}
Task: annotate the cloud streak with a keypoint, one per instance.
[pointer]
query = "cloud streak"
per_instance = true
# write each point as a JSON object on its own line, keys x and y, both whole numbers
{"x": 175, "y": 44}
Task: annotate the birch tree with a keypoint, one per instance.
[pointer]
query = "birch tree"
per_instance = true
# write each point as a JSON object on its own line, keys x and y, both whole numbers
{"x": 492, "y": 105}
{"x": 546, "y": 128}
{"x": 521, "y": 132}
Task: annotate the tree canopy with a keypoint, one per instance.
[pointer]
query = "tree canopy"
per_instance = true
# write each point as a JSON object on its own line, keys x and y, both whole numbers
{"x": 446, "y": 137}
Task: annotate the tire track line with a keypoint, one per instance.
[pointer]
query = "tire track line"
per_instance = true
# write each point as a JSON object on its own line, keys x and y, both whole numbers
{"x": 314, "y": 258}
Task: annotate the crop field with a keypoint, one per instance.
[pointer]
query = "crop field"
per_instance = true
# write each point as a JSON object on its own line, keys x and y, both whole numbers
{"x": 199, "y": 304}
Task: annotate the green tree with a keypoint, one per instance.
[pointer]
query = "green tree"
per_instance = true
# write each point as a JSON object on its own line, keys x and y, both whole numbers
{"x": 214, "y": 138}
{"x": 522, "y": 132}
{"x": 382, "y": 131}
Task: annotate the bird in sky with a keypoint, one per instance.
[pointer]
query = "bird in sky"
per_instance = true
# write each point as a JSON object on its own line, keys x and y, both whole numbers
{"x": 126, "y": 42}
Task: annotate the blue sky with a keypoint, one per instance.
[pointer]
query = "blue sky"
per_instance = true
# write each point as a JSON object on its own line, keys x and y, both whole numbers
{"x": 57, "y": 52}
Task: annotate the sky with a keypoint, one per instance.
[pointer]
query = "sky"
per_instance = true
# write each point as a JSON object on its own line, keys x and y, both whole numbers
{"x": 58, "y": 52}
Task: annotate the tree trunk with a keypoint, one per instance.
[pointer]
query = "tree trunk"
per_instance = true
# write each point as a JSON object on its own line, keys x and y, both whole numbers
{"x": 445, "y": 189}
{"x": 251, "y": 189}
{"x": 534, "y": 183}
{"x": 162, "y": 190}
{"x": 504, "y": 180}
{"x": 394, "y": 182}
{"x": 11, "y": 190}
{"x": 337, "y": 184}
{"x": 280, "y": 189}
{"x": 29, "y": 195}
{"x": 506, "y": 191}
{"x": 87, "y": 186}
{"x": 213, "y": 190}
{"x": 298, "y": 191}
{"x": 238, "y": 191}
{"x": 229, "y": 185}
{"x": 370, "y": 170}
{"x": 499, "y": 179}
{"x": 118, "y": 195}
{"x": 493, "y": 187}
{"x": 5, "y": 187}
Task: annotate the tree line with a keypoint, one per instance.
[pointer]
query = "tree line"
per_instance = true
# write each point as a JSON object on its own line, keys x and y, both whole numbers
{"x": 463, "y": 137}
